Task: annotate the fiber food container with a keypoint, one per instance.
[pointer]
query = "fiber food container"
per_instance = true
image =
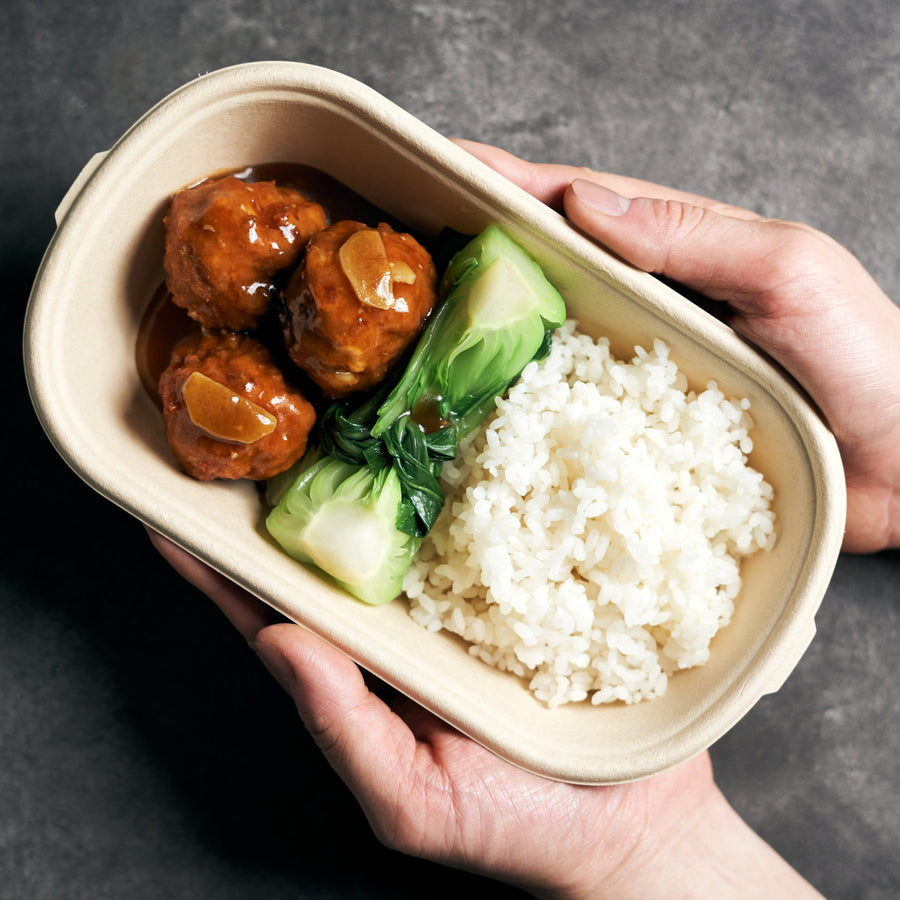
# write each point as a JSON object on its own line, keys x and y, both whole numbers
{"x": 105, "y": 262}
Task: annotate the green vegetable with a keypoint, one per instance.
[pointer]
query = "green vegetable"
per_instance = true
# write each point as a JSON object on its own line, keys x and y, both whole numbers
{"x": 359, "y": 512}
{"x": 341, "y": 518}
{"x": 497, "y": 310}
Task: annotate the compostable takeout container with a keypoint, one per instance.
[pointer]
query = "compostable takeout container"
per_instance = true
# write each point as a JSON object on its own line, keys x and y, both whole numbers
{"x": 105, "y": 261}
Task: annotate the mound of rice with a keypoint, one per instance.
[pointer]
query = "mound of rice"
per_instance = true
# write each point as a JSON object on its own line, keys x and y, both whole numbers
{"x": 593, "y": 532}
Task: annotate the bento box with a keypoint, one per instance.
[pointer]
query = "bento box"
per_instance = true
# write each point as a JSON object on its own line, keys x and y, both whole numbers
{"x": 105, "y": 262}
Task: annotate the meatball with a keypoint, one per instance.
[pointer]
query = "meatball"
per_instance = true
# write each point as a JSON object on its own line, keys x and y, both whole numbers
{"x": 355, "y": 303}
{"x": 228, "y": 411}
{"x": 225, "y": 241}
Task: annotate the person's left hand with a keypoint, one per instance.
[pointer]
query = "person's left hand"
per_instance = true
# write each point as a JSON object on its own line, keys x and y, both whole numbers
{"x": 429, "y": 791}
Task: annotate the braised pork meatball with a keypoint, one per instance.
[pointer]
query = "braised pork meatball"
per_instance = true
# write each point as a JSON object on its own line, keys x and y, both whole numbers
{"x": 225, "y": 241}
{"x": 228, "y": 411}
{"x": 355, "y": 303}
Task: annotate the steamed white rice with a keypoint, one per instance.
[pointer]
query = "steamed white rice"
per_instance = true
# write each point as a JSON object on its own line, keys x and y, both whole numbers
{"x": 593, "y": 532}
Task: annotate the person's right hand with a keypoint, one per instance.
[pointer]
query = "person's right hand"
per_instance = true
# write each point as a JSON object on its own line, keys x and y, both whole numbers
{"x": 794, "y": 292}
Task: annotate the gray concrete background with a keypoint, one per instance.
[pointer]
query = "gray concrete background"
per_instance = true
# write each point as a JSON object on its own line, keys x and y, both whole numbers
{"x": 143, "y": 752}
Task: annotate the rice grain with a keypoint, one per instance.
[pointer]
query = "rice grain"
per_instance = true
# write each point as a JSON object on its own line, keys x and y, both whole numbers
{"x": 594, "y": 528}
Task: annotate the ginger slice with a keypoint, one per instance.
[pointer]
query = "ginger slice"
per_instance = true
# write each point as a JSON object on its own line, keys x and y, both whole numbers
{"x": 402, "y": 272}
{"x": 366, "y": 265}
{"x": 222, "y": 413}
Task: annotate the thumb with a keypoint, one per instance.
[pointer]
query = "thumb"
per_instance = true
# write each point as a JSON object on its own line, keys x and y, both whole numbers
{"x": 726, "y": 257}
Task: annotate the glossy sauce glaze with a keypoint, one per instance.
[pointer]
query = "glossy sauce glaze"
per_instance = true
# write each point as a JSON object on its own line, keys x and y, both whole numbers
{"x": 164, "y": 325}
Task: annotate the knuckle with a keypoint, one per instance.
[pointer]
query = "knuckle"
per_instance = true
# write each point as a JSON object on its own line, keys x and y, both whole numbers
{"x": 799, "y": 249}
{"x": 675, "y": 224}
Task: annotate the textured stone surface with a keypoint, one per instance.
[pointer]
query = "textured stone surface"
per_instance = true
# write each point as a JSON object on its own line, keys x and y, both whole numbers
{"x": 143, "y": 752}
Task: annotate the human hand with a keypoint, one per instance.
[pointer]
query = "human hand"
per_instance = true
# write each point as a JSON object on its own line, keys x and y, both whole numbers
{"x": 791, "y": 290}
{"x": 429, "y": 791}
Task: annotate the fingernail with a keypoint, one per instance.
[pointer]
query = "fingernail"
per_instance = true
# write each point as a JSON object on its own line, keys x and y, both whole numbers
{"x": 277, "y": 666}
{"x": 599, "y": 198}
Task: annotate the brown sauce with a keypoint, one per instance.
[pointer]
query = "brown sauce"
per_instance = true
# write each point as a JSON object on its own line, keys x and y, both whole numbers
{"x": 164, "y": 325}
{"x": 427, "y": 415}
{"x": 338, "y": 200}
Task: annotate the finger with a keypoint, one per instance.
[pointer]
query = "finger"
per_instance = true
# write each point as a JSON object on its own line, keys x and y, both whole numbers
{"x": 545, "y": 182}
{"x": 369, "y": 747}
{"x": 736, "y": 259}
{"x": 248, "y": 614}
{"x": 548, "y": 182}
